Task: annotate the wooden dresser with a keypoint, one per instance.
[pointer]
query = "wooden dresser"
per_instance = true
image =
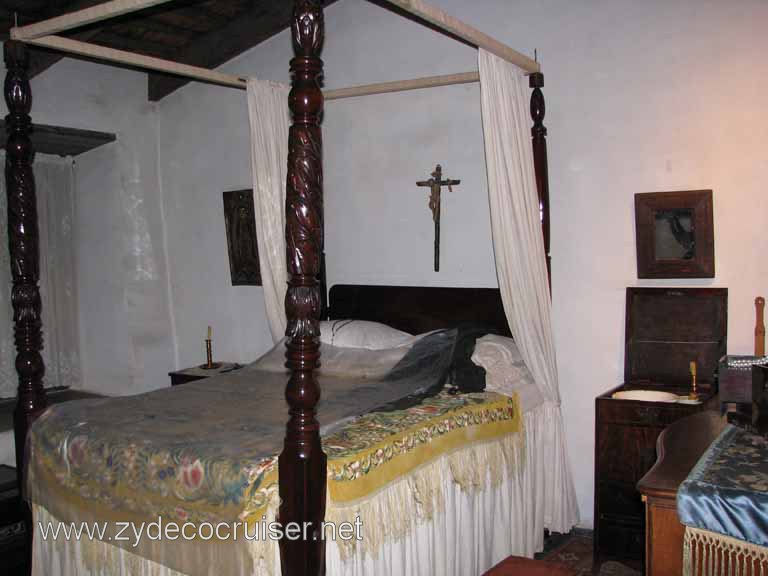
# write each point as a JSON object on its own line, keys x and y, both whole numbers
{"x": 680, "y": 446}
{"x": 666, "y": 329}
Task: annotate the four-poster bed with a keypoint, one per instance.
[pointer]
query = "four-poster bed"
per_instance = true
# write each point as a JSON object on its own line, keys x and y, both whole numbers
{"x": 302, "y": 462}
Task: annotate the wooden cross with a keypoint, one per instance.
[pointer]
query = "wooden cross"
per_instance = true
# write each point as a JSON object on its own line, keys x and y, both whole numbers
{"x": 435, "y": 185}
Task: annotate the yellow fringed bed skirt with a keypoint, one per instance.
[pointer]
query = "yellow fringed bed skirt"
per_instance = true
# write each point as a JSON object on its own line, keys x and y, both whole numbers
{"x": 391, "y": 512}
{"x": 707, "y": 553}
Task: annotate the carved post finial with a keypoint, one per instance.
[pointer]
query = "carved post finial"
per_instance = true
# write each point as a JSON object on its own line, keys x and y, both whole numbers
{"x": 540, "y": 162}
{"x": 308, "y": 28}
{"x": 538, "y": 107}
{"x": 18, "y": 95}
{"x": 23, "y": 245}
{"x": 302, "y": 463}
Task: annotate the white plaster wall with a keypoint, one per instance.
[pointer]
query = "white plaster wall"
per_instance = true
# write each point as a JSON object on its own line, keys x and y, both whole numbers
{"x": 205, "y": 150}
{"x": 642, "y": 96}
{"x": 125, "y": 329}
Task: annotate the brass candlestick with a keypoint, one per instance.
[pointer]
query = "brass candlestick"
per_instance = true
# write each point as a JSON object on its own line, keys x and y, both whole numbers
{"x": 759, "y": 326}
{"x": 209, "y": 353}
{"x": 694, "y": 395}
{"x": 209, "y": 363}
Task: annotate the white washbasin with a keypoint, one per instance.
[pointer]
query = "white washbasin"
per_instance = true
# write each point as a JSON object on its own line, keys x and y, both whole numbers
{"x": 646, "y": 395}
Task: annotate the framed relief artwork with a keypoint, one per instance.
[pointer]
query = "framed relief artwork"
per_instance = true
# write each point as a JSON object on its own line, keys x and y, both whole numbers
{"x": 675, "y": 234}
{"x": 241, "y": 238}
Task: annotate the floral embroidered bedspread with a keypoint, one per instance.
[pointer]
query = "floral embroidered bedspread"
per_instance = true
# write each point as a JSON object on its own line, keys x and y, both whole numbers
{"x": 207, "y": 451}
{"x": 727, "y": 491}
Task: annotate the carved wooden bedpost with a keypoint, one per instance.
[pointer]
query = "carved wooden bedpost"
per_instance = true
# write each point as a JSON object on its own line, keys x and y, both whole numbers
{"x": 23, "y": 246}
{"x": 302, "y": 464}
{"x": 539, "y": 138}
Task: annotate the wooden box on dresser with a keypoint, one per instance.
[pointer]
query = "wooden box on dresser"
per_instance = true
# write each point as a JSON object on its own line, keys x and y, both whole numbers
{"x": 666, "y": 329}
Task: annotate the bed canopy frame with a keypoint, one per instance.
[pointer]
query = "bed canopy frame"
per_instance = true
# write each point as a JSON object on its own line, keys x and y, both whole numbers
{"x": 302, "y": 463}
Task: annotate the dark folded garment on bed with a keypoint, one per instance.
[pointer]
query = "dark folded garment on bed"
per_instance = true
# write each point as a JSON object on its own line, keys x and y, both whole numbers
{"x": 427, "y": 362}
{"x": 426, "y": 366}
{"x": 465, "y": 374}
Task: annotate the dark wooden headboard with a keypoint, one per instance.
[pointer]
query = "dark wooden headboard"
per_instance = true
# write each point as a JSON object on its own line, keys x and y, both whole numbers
{"x": 418, "y": 309}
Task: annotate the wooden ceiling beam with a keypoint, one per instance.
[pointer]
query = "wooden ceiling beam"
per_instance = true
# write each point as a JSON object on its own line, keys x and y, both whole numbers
{"x": 41, "y": 60}
{"x": 183, "y": 20}
{"x": 219, "y": 46}
{"x": 137, "y": 60}
{"x": 81, "y": 18}
{"x": 141, "y": 32}
{"x": 144, "y": 46}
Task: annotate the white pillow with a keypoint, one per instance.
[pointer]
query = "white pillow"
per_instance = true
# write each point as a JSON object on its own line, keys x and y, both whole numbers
{"x": 362, "y": 334}
{"x": 348, "y": 362}
{"x": 505, "y": 371}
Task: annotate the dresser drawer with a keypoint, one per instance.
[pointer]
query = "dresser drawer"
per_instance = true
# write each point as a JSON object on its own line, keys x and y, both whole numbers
{"x": 625, "y": 453}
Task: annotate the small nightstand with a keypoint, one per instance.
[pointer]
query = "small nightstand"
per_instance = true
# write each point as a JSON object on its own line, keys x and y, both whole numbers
{"x": 197, "y": 373}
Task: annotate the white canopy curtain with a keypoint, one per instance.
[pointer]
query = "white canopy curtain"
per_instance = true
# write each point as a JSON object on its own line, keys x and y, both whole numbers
{"x": 55, "y": 180}
{"x": 270, "y": 120}
{"x": 520, "y": 264}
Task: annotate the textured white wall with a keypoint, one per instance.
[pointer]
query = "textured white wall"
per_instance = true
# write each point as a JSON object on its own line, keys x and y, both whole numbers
{"x": 642, "y": 96}
{"x": 125, "y": 341}
{"x": 203, "y": 136}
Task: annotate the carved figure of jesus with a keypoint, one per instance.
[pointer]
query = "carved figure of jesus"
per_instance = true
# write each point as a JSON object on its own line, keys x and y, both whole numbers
{"x": 435, "y": 185}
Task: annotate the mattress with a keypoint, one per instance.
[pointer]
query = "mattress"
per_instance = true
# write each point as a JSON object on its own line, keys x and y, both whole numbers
{"x": 137, "y": 458}
{"x": 472, "y": 531}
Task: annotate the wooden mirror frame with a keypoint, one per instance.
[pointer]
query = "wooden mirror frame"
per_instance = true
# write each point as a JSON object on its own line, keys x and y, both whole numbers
{"x": 702, "y": 265}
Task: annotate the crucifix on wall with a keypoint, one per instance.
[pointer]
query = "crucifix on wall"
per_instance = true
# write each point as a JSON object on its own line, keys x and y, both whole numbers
{"x": 435, "y": 185}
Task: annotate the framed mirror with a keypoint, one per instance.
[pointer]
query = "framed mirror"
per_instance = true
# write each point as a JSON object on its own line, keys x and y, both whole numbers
{"x": 675, "y": 234}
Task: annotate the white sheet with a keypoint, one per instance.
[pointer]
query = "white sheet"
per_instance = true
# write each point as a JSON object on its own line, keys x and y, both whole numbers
{"x": 374, "y": 363}
{"x": 337, "y": 360}
{"x": 362, "y": 334}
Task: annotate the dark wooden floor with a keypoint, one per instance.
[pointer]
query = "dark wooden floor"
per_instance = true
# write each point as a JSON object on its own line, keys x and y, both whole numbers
{"x": 575, "y": 551}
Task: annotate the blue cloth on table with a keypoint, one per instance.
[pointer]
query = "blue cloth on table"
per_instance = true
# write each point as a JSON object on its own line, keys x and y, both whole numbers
{"x": 727, "y": 490}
